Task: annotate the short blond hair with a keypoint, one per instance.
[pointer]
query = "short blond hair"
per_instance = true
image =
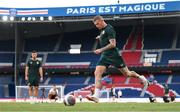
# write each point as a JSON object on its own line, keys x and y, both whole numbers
{"x": 98, "y": 17}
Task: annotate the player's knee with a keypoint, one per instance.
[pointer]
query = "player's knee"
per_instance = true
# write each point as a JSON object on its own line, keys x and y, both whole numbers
{"x": 36, "y": 88}
{"x": 131, "y": 74}
{"x": 127, "y": 74}
{"x": 97, "y": 73}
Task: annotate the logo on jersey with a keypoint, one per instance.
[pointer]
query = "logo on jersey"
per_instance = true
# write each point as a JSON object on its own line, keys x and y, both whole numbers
{"x": 101, "y": 34}
{"x": 37, "y": 62}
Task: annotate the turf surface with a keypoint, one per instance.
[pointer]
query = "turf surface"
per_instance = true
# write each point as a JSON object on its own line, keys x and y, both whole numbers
{"x": 90, "y": 107}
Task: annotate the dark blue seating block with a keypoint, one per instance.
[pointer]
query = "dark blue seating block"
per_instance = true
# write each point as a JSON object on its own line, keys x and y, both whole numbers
{"x": 40, "y": 43}
{"x": 83, "y": 57}
{"x": 7, "y": 57}
{"x": 170, "y": 55}
{"x": 154, "y": 33}
{"x": 161, "y": 78}
{"x": 176, "y": 78}
{"x": 7, "y": 45}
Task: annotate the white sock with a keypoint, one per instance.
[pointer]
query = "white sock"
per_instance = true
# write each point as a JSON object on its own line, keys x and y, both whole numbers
{"x": 96, "y": 92}
{"x": 31, "y": 97}
{"x": 142, "y": 78}
{"x": 35, "y": 98}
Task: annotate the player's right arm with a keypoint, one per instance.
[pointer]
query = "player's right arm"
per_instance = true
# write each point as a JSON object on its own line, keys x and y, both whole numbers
{"x": 27, "y": 70}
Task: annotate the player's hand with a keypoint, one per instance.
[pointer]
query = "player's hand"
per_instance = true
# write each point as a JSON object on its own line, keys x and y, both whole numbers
{"x": 41, "y": 79}
{"x": 98, "y": 37}
{"x": 98, "y": 51}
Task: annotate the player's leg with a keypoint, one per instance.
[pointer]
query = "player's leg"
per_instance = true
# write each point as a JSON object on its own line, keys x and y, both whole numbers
{"x": 119, "y": 63}
{"x": 98, "y": 76}
{"x": 30, "y": 92}
{"x": 36, "y": 91}
{"x": 125, "y": 71}
{"x": 31, "y": 89}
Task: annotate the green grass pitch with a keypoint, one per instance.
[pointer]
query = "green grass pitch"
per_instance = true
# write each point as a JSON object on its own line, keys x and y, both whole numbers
{"x": 90, "y": 107}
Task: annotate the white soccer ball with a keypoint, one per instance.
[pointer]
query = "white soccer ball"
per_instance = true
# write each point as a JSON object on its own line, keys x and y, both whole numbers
{"x": 69, "y": 100}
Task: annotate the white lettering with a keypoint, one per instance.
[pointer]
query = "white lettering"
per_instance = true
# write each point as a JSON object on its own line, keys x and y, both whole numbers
{"x": 80, "y": 10}
{"x": 101, "y": 9}
{"x": 142, "y": 8}
{"x": 92, "y": 10}
{"x": 162, "y": 6}
{"x": 107, "y": 9}
{"x": 69, "y": 10}
{"x": 75, "y": 11}
{"x": 137, "y": 8}
{"x": 130, "y": 9}
{"x": 147, "y": 7}
{"x": 155, "y": 7}
{"x": 114, "y": 8}
{"x": 122, "y": 9}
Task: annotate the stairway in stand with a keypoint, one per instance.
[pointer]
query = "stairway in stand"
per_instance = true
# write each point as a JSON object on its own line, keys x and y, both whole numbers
{"x": 132, "y": 49}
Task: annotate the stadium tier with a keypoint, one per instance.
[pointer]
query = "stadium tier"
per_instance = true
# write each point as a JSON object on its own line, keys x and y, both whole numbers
{"x": 7, "y": 45}
{"x": 44, "y": 43}
{"x": 84, "y": 38}
{"x": 170, "y": 57}
{"x": 159, "y": 36}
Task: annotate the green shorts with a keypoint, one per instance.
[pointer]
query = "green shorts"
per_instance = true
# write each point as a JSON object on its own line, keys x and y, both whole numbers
{"x": 115, "y": 61}
{"x": 33, "y": 82}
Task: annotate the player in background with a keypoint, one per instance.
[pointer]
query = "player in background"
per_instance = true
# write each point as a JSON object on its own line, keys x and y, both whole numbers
{"x": 33, "y": 74}
{"x": 53, "y": 93}
{"x": 112, "y": 94}
{"x": 109, "y": 56}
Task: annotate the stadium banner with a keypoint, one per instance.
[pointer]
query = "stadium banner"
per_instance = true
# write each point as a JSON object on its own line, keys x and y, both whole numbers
{"x": 94, "y": 10}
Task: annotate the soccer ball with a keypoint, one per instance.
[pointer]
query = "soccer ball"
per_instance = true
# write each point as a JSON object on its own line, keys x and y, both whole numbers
{"x": 69, "y": 100}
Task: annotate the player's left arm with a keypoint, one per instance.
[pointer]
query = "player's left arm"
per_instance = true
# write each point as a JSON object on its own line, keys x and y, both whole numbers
{"x": 112, "y": 44}
{"x": 41, "y": 71}
{"x": 112, "y": 41}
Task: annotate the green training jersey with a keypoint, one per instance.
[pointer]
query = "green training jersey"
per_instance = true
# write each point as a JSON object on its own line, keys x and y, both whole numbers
{"x": 106, "y": 34}
{"x": 34, "y": 66}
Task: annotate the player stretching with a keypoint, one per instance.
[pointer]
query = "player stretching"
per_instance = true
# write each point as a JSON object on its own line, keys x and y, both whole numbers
{"x": 33, "y": 73}
{"x": 109, "y": 56}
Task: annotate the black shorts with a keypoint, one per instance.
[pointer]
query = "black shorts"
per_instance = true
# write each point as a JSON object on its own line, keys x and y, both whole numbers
{"x": 51, "y": 96}
{"x": 115, "y": 61}
{"x": 33, "y": 82}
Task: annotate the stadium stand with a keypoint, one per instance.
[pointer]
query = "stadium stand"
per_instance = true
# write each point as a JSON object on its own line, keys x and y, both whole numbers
{"x": 44, "y": 43}
{"x": 7, "y": 45}
{"x": 155, "y": 33}
{"x": 169, "y": 56}
{"x": 85, "y": 38}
